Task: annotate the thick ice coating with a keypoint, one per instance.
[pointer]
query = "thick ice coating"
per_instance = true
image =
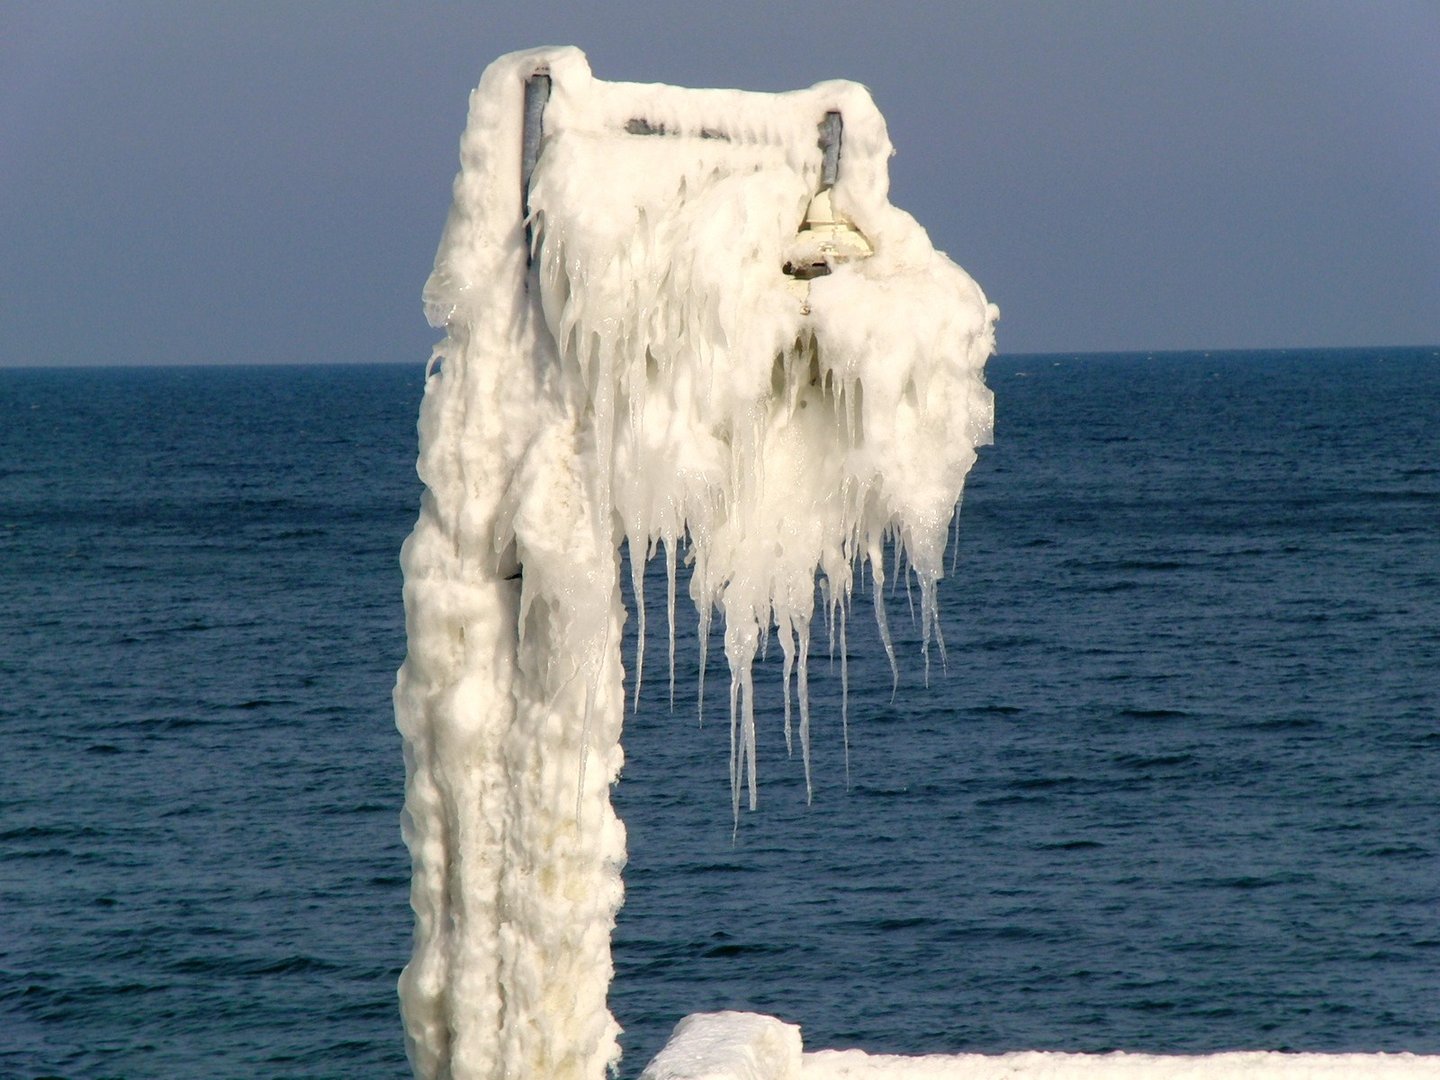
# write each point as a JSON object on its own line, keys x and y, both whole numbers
{"x": 703, "y": 339}
{"x": 746, "y": 1046}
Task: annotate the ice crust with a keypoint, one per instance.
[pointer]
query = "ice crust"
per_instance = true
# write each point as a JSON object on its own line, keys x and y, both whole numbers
{"x": 747, "y": 1046}
{"x": 1038, "y": 1065}
{"x": 646, "y": 373}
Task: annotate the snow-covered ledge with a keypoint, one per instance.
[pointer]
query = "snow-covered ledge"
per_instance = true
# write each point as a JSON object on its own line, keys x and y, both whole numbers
{"x": 748, "y": 1046}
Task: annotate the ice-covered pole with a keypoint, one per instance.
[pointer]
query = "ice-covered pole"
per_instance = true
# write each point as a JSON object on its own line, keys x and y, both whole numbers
{"x": 668, "y": 321}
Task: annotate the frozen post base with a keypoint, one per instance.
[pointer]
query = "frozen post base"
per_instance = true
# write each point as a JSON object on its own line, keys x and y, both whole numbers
{"x": 748, "y": 1046}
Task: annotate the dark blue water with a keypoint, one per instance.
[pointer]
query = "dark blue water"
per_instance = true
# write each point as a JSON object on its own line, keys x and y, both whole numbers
{"x": 1177, "y": 790}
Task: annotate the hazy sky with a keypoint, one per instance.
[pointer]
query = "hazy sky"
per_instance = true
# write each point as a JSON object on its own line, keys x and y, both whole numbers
{"x": 241, "y": 182}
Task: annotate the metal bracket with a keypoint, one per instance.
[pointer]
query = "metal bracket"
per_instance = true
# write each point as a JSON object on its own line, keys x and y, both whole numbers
{"x": 537, "y": 95}
{"x": 832, "y": 134}
{"x": 826, "y": 239}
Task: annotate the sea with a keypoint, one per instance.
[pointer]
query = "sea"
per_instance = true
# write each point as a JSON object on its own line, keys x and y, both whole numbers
{"x": 1173, "y": 787}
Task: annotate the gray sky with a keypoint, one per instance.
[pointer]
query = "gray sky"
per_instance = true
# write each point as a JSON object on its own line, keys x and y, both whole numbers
{"x": 198, "y": 182}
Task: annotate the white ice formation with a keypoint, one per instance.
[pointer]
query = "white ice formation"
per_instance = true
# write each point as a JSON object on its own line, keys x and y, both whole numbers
{"x": 708, "y": 336}
{"x": 744, "y": 1046}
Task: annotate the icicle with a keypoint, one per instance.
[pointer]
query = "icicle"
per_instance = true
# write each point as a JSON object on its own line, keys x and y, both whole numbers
{"x": 930, "y": 625}
{"x": 735, "y": 751}
{"x": 749, "y": 693}
{"x": 940, "y": 641}
{"x": 877, "y": 590}
{"x": 670, "y": 610}
{"x": 742, "y": 735}
{"x": 703, "y": 635}
{"x": 637, "y": 586}
{"x": 787, "y": 643}
{"x": 909, "y": 595}
{"x": 845, "y": 695}
{"x": 955, "y": 535}
{"x": 803, "y": 687}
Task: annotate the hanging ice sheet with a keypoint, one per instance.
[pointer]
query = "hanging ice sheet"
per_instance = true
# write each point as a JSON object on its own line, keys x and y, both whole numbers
{"x": 782, "y": 416}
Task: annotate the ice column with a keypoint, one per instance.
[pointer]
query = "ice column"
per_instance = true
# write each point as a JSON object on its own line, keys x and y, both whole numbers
{"x": 715, "y": 343}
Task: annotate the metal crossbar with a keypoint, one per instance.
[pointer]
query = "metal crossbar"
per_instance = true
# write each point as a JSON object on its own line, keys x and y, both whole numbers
{"x": 537, "y": 95}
